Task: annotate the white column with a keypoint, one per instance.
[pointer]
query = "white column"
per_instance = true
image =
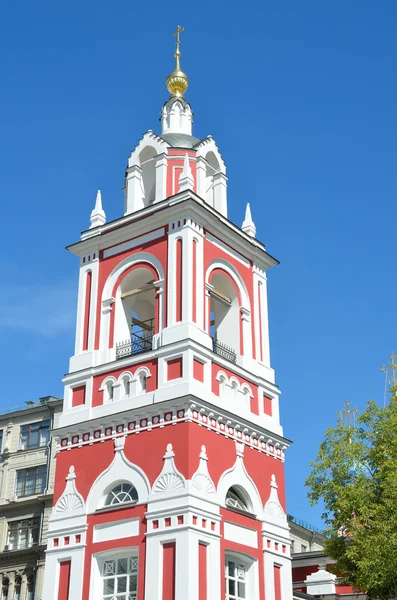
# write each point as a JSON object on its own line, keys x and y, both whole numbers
{"x": 220, "y": 196}
{"x": 261, "y": 319}
{"x": 201, "y": 177}
{"x": 186, "y": 568}
{"x": 161, "y": 177}
{"x": 134, "y": 193}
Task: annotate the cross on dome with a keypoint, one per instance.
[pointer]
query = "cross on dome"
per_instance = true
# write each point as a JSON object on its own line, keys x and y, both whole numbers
{"x": 177, "y": 82}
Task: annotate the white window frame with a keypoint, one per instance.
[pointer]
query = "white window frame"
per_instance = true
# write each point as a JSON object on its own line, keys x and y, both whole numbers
{"x": 96, "y": 585}
{"x": 251, "y": 569}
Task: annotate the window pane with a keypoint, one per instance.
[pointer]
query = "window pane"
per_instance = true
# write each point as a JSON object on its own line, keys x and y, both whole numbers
{"x": 232, "y": 587}
{"x": 133, "y": 583}
{"x": 12, "y": 539}
{"x": 24, "y": 439}
{"x": 30, "y": 482}
{"x": 241, "y": 589}
{"x": 34, "y": 439}
{"x": 121, "y": 584}
{"x": 122, "y": 565}
{"x": 108, "y": 586}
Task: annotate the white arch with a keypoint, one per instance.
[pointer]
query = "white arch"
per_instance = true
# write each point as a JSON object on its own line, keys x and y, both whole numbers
{"x": 108, "y": 300}
{"x": 235, "y": 276}
{"x": 149, "y": 139}
{"x": 220, "y": 263}
{"x": 119, "y": 471}
{"x": 238, "y": 476}
{"x": 208, "y": 145}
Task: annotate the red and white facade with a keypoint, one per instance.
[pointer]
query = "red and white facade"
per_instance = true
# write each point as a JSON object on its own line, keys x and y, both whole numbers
{"x": 170, "y": 466}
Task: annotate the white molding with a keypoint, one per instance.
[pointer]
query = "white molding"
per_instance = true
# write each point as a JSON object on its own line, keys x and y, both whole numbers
{"x": 143, "y": 239}
{"x": 120, "y": 470}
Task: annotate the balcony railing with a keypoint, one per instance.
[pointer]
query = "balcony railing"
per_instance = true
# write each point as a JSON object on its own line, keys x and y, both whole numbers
{"x": 223, "y": 350}
{"x": 141, "y": 339}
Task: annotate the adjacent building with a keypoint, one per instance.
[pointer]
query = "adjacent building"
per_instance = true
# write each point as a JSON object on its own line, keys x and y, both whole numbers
{"x": 27, "y": 469}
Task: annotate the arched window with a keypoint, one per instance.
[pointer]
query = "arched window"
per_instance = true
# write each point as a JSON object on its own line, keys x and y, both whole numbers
{"x": 241, "y": 574}
{"x": 224, "y": 317}
{"x": 233, "y": 391}
{"x": 142, "y": 382}
{"x": 17, "y": 588}
{"x": 30, "y": 588}
{"x": 126, "y": 385}
{"x": 235, "y": 499}
{"x": 5, "y": 584}
{"x": 122, "y": 493}
{"x": 109, "y": 391}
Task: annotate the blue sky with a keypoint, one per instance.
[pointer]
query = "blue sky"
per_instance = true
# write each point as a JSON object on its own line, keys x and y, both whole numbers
{"x": 300, "y": 97}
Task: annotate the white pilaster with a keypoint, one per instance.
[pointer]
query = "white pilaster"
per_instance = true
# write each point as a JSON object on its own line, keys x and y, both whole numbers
{"x": 220, "y": 196}
{"x": 134, "y": 192}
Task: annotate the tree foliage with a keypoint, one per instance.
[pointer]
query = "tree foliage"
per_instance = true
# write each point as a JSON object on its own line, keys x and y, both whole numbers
{"x": 355, "y": 476}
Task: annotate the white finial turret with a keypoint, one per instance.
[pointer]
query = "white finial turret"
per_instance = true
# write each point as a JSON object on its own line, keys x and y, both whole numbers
{"x": 186, "y": 181}
{"x": 248, "y": 225}
{"x": 98, "y": 216}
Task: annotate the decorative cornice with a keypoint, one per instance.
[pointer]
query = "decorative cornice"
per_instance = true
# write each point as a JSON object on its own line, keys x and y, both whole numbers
{"x": 150, "y": 417}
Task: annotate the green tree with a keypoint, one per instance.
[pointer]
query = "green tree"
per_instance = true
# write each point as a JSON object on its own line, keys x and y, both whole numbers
{"x": 355, "y": 477}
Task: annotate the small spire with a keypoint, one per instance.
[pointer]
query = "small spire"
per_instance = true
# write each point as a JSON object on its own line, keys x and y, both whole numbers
{"x": 177, "y": 82}
{"x": 186, "y": 181}
{"x": 248, "y": 225}
{"x": 98, "y": 216}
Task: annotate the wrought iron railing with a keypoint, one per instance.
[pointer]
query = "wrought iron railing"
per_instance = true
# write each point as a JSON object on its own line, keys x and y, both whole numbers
{"x": 304, "y": 525}
{"x": 141, "y": 339}
{"x": 223, "y": 350}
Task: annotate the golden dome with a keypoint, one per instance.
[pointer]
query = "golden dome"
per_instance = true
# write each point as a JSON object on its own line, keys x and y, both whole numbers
{"x": 177, "y": 81}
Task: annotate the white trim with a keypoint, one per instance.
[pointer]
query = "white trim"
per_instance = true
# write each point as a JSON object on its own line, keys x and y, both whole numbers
{"x": 143, "y": 239}
{"x": 119, "y": 471}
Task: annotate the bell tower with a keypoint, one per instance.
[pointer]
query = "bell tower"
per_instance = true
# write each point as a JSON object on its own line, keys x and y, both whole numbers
{"x": 170, "y": 453}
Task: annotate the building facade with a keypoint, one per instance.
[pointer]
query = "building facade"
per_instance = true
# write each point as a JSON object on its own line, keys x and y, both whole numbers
{"x": 170, "y": 454}
{"x": 27, "y": 471}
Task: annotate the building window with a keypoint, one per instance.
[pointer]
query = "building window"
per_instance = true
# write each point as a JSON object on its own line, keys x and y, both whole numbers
{"x": 122, "y": 493}
{"x": 23, "y": 534}
{"x": 235, "y": 499}
{"x": 31, "y": 481}
{"x": 1, "y": 439}
{"x": 292, "y": 546}
{"x": 35, "y": 435}
{"x": 120, "y": 578}
{"x": 17, "y": 588}
{"x": 5, "y": 584}
{"x": 30, "y": 588}
{"x": 236, "y": 581}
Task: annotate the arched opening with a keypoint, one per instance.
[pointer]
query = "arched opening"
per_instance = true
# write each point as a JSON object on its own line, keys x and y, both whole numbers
{"x": 224, "y": 317}
{"x": 30, "y": 588}
{"x": 233, "y": 391}
{"x": 141, "y": 382}
{"x": 238, "y": 499}
{"x": 212, "y": 167}
{"x": 135, "y": 313}
{"x": 147, "y": 164}
{"x": 109, "y": 391}
{"x": 5, "y": 586}
{"x": 121, "y": 494}
{"x": 17, "y": 588}
{"x": 126, "y": 383}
